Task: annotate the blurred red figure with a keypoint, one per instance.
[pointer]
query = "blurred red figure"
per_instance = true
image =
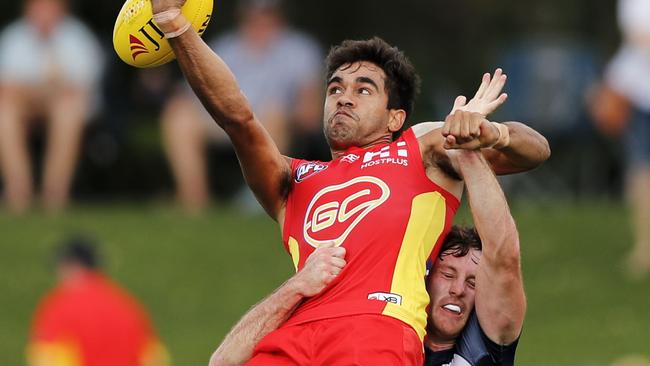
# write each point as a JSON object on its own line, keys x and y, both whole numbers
{"x": 50, "y": 65}
{"x": 88, "y": 320}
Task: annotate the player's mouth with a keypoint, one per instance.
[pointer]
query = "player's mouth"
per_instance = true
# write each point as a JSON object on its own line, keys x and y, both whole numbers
{"x": 453, "y": 308}
{"x": 343, "y": 112}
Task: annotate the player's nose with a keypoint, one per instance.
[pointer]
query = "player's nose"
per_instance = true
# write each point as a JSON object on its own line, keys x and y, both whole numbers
{"x": 345, "y": 100}
{"x": 457, "y": 288}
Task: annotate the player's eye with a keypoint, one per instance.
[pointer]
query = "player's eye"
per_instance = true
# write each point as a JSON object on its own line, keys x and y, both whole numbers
{"x": 364, "y": 91}
{"x": 471, "y": 284}
{"x": 334, "y": 90}
{"x": 447, "y": 275}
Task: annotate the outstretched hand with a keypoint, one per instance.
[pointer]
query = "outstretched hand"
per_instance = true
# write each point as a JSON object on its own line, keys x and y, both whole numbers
{"x": 488, "y": 97}
{"x": 320, "y": 269}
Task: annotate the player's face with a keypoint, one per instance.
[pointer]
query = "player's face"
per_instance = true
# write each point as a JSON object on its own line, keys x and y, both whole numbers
{"x": 356, "y": 106}
{"x": 451, "y": 291}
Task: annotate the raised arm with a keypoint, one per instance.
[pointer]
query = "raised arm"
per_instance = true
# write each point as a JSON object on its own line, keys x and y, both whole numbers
{"x": 500, "y": 300}
{"x": 266, "y": 171}
{"x": 322, "y": 266}
{"x": 509, "y": 147}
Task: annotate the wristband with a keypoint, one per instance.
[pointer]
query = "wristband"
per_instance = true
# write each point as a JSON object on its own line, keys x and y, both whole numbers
{"x": 172, "y": 23}
{"x": 504, "y": 137}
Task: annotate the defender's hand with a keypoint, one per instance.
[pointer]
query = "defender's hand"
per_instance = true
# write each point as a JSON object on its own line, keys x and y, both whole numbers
{"x": 321, "y": 268}
{"x": 163, "y": 5}
{"x": 488, "y": 97}
{"x": 470, "y": 131}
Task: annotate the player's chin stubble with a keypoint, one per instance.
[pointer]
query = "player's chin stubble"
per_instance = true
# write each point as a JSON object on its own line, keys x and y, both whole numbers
{"x": 338, "y": 134}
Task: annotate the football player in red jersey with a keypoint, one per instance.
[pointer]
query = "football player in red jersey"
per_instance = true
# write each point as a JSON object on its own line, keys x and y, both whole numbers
{"x": 387, "y": 198}
{"x": 89, "y": 320}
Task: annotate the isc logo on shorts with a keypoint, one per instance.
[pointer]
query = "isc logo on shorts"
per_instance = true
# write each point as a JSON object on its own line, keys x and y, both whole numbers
{"x": 386, "y": 296}
{"x": 336, "y": 210}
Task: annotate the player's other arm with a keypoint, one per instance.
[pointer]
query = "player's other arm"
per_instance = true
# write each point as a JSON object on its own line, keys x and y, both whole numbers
{"x": 509, "y": 147}
{"x": 500, "y": 300}
{"x": 321, "y": 268}
{"x": 266, "y": 171}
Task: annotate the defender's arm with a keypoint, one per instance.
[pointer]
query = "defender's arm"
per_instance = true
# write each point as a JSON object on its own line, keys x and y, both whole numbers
{"x": 500, "y": 300}
{"x": 322, "y": 266}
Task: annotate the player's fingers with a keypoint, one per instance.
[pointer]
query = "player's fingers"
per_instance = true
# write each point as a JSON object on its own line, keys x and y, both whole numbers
{"x": 454, "y": 125}
{"x": 446, "y": 127}
{"x": 338, "y": 252}
{"x": 459, "y": 102}
{"x": 465, "y": 126}
{"x": 492, "y": 106}
{"x": 485, "y": 81}
{"x": 336, "y": 270}
{"x": 495, "y": 91}
{"x": 474, "y": 128}
{"x": 338, "y": 262}
{"x": 450, "y": 142}
{"x": 493, "y": 83}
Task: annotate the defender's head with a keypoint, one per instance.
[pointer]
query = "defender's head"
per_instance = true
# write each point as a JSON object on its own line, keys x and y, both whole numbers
{"x": 371, "y": 90}
{"x": 451, "y": 284}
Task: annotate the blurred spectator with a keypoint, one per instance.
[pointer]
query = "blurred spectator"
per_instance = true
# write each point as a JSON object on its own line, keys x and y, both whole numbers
{"x": 87, "y": 320}
{"x": 623, "y": 105}
{"x": 50, "y": 64}
{"x": 278, "y": 70}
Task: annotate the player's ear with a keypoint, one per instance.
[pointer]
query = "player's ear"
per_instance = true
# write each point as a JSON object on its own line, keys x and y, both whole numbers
{"x": 396, "y": 119}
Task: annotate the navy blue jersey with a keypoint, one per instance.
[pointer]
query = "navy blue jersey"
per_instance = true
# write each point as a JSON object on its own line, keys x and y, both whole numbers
{"x": 473, "y": 348}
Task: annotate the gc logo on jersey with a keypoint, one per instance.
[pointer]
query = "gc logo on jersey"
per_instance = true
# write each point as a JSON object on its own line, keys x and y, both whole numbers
{"x": 336, "y": 210}
{"x": 306, "y": 170}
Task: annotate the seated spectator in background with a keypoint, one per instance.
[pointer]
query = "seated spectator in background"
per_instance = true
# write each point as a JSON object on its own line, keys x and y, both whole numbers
{"x": 88, "y": 320}
{"x": 50, "y": 65}
{"x": 278, "y": 69}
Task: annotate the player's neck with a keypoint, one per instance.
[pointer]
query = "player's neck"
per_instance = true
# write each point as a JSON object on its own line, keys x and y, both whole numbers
{"x": 381, "y": 141}
{"x": 439, "y": 345}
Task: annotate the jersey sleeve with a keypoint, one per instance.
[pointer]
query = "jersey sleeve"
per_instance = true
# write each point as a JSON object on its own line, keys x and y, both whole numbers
{"x": 501, "y": 355}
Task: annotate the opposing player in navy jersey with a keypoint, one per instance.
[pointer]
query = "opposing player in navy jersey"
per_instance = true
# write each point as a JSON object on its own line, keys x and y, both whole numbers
{"x": 477, "y": 296}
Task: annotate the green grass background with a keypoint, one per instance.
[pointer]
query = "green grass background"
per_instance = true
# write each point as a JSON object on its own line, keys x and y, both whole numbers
{"x": 197, "y": 276}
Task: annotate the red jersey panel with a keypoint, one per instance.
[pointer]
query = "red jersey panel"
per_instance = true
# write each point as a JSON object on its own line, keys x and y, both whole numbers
{"x": 92, "y": 322}
{"x": 379, "y": 204}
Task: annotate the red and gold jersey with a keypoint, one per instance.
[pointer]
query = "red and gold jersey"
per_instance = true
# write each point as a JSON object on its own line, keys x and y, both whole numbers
{"x": 379, "y": 204}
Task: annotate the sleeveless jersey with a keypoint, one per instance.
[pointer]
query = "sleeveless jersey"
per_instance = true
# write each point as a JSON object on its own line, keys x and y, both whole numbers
{"x": 379, "y": 204}
{"x": 473, "y": 348}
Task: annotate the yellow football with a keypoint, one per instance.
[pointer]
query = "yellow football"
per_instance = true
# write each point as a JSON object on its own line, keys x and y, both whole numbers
{"x": 138, "y": 40}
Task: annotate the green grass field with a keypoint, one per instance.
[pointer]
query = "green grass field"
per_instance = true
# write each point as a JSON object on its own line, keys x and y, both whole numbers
{"x": 199, "y": 275}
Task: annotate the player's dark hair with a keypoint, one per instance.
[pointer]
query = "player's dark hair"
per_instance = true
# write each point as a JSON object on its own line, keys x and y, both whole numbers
{"x": 402, "y": 82}
{"x": 79, "y": 250}
{"x": 459, "y": 241}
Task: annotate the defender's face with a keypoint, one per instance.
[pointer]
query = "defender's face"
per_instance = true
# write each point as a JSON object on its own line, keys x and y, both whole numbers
{"x": 451, "y": 293}
{"x": 356, "y": 106}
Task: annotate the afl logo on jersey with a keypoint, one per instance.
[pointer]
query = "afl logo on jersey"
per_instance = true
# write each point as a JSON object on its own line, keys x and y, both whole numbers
{"x": 306, "y": 170}
{"x": 336, "y": 210}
